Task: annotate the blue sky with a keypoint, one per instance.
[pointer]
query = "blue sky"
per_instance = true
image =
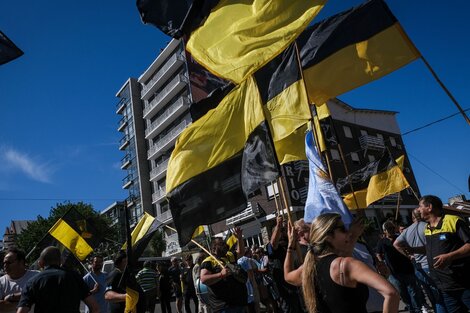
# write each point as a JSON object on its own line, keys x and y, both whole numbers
{"x": 58, "y": 137}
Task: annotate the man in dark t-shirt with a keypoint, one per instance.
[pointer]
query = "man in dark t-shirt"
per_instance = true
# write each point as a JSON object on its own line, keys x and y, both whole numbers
{"x": 115, "y": 292}
{"x": 225, "y": 292}
{"x": 401, "y": 269}
{"x": 55, "y": 290}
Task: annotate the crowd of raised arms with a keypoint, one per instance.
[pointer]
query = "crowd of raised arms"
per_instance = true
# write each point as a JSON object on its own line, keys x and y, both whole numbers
{"x": 319, "y": 267}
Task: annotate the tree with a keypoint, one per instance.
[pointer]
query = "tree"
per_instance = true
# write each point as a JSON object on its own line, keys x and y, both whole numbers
{"x": 36, "y": 230}
{"x": 157, "y": 244}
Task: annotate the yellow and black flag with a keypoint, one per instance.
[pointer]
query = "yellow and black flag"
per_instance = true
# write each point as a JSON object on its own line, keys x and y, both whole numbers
{"x": 220, "y": 159}
{"x": 8, "y": 50}
{"x": 142, "y": 233}
{"x": 231, "y": 240}
{"x": 285, "y": 104}
{"x": 373, "y": 182}
{"x": 232, "y": 38}
{"x": 351, "y": 49}
{"x": 76, "y": 234}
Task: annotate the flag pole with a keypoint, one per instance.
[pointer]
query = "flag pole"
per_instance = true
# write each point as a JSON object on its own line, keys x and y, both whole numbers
{"x": 284, "y": 197}
{"x": 449, "y": 94}
{"x": 398, "y": 206}
{"x": 200, "y": 246}
{"x": 275, "y": 199}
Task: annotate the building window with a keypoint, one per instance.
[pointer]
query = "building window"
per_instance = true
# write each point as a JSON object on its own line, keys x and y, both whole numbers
{"x": 371, "y": 158}
{"x": 393, "y": 142}
{"x": 355, "y": 157}
{"x": 272, "y": 190}
{"x": 347, "y": 132}
{"x": 335, "y": 154}
{"x": 364, "y": 132}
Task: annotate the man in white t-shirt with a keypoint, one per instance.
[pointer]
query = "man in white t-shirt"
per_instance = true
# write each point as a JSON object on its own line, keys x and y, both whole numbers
{"x": 15, "y": 279}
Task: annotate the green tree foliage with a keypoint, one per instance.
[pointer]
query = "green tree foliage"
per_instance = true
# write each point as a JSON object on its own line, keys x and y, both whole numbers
{"x": 36, "y": 230}
{"x": 157, "y": 245}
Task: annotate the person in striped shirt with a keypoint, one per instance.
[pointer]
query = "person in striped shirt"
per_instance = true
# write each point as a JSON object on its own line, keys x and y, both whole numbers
{"x": 148, "y": 279}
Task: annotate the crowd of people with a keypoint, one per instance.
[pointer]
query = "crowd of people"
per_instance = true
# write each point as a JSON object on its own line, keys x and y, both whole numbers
{"x": 318, "y": 267}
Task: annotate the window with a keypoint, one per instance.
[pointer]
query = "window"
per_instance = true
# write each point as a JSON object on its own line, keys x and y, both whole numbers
{"x": 364, "y": 132}
{"x": 272, "y": 190}
{"x": 355, "y": 157}
{"x": 371, "y": 158}
{"x": 335, "y": 154}
{"x": 380, "y": 136}
{"x": 347, "y": 132}
{"x": 393, "y": 142}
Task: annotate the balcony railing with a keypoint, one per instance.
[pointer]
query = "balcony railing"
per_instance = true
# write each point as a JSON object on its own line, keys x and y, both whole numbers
{"x": 159, "y": 169}
{"x": 175, "y": 59}
{"x": 159, "y": 122}
{"x": 121, "y": 105}
{"x": 368, "y": 142}
{"x": 122, "y": 123}
{"x": 126, "y": 161}
{"x": 127, "y": 181}
{"x": 163, "y": 95}
{"x": 164, "y": 216}
{"x": 172, "y": 135}
{"x": 246, "y": 214}
{"x": 158, "y": 195}
{"x": 124, "y": 142}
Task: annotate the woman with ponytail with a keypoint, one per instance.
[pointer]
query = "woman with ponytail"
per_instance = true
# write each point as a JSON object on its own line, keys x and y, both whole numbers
{"x": 331, "y": 280}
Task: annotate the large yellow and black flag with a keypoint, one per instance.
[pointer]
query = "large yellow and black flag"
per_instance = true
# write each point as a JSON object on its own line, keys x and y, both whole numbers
{"x": 219, "y": 160}
{"x": 284, "y": 101}
{"x": 8, "y": 50}
{"x": 373, "y": 182}
{"x": 75, "y": 233}
{"x": 351, "y": 49}
{"x": 233, "y": 38}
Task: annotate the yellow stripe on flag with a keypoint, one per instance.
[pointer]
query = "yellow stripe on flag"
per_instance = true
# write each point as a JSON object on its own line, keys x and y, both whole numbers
{"x": 72, "y": 240}
{"x": 386, "y": 183}
{"x": 132, "y": 298}
{"x": 239, "y": 37}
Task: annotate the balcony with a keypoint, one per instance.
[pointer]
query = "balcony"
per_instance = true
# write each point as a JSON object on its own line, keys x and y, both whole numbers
{"x": 127, "y": 181}
{"x": 162, "y": 75}
{"x": 166, "y": 141}
{"x": 167, "y": 117}
{"x": 122, "y": 124}
{"x": 124, "y": 142}
{"x": 165, "y": 95}
{"x": 368, "y": 142}
{"x": 125, "y": 162}
{"x": 158, "y": 195}
{"x": 165, "y": 216}
{"x": 249, "y": 213}
{"x": 121, "y": 105}
{"x": 159, "y": 170}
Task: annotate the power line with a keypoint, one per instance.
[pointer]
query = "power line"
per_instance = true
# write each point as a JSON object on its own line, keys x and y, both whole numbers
{"x": 437, "y": 174}
{"x": 432, "y": 123}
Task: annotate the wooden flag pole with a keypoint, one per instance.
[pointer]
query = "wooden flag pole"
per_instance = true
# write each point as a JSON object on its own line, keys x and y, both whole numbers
{"x": 398, "y": 206}
{"x": 449, "y": 94}
{"x": 289, "y": 216}
{"x": 275, "y": 199}
{"x": 200, "y": 246}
